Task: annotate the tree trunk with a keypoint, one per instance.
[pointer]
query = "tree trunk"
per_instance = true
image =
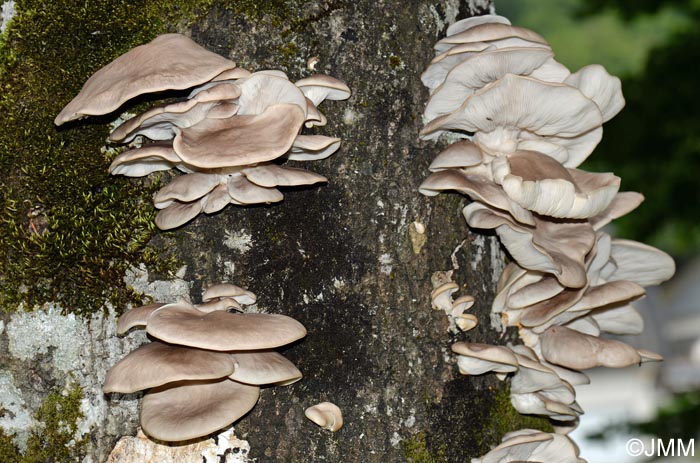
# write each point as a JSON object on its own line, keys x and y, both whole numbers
{"x": 341, "y": 258}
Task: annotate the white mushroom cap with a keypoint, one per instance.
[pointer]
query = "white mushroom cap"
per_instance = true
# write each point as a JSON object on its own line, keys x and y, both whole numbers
{"x": 595, "y": 82}
{"x": 157, "y": 363}
{"x": 441, "y": 297}
{"x": 476, "y": 359}
{"x": 622, "y": 204}
{"x": 263, "y": 367}
{"x": 325, "y": 414}
{"x": 147, "y": 159}
{"x": 638, "y": 263}
{"x": 477, "y": 71}
{"x": 319, "y": 87}
{"x": 263, "y": 90}
{"x": 504, "y": 108}
{"x": 540, "y": 184}
{"x": 464, "y": 24}
{"x": 191, "y": 409}
{"x": 619, "y": 320}
{"x": 183, "y": 324}
{"x": 485, "y": 33}
{"x": 170, "y": 61}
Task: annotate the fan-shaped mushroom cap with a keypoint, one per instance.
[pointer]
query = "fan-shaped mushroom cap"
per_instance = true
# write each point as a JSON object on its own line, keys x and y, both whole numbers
{"x": 463, "y": 153}
{"x": 487, "y": 32}
{"x": 539, "y": 183}
{"x": 157, "y": 363}
{"x": 441, "y": 297}
{"x": 183, "y": 324}
{"x": 605, "y": 90}
{"x": 464, "y": 24}
{"x": 237, "y": 141}
{"x": 571, "y": 349}
{"x": 622, "y": 204}
{"x": 325, "y": 414}
{"x": 638, "y": 263}
{"x": 442, "y": 64}
{"x": 569, "y": 151}
{"x": 190, "y": 409}
{"x": 619, "y": 320}
{"x": 263, "y": 90}
{"x": 177, "y": 213}
{"x": 223, "y": 303}
{"x": 477, "y": 71}
{"x": 272, "y": 175}
{"x": 158, "y": 122}
{"x": 513, "y": 103}
{"x": 552, "y": 247}
{"x": 244, "y": 191}
{"x": 241, "y": 295}
{"x": 263, "y": 367}
{"x": 185, "y": 188}
{"x": 478, "y": 188}
{"x": 476, "y": 359}
{"x": 319, "y": 87}
{"x": 142, "y": 161}
{"x": 313, "y": 147}
{"x": 516, "y": 447}
{"x": 169, "y": 62}
{"x": 138, "y": 316}
{"x": 466, "y": 321}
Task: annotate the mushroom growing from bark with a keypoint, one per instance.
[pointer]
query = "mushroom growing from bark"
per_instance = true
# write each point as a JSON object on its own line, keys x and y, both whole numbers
{"x": 231, "y": 137}
{"x": 526, "y": 123}
{"x": 325, "y": 414}
{"x": 205, "y": 367}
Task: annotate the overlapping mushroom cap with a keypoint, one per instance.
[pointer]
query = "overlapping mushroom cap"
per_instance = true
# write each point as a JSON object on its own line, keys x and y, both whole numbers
{"x": 204, "y": 368}
{"x": 229, "y": 137}
{"x": 526, "y": 124}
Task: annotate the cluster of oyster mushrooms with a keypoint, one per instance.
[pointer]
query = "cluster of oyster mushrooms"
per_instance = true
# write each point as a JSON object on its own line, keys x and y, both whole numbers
{"x": 229, "y": 136}
{"x": 524, "y": 124}
{"x": 204, "y": 368}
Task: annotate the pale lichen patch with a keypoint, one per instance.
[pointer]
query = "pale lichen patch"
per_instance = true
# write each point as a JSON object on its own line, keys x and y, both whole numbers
{"x": 238, "y": 240}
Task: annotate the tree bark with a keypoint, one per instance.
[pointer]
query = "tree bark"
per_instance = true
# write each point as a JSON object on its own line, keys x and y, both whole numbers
{"x": 341, "y": 258}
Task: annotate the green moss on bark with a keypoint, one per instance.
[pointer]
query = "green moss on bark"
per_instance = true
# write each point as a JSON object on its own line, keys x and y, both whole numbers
{"x": 68, "y": 230}
{"x": 54, "y": 439}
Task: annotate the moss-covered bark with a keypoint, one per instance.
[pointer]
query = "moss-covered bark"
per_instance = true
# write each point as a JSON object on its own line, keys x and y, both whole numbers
{"x": 338, "y": 257}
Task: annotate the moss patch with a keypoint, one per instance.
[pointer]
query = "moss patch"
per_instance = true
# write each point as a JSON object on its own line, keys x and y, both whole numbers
{"x": 416, "y": 450}
{"x": 58, "y": 415}
{"x": 503, "y": 418}
{"x": 68, "y": 230}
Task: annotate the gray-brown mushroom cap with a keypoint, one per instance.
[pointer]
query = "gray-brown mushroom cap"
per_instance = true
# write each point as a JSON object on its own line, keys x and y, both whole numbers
{"x": 325, "y": 414}
{"x": 183, "y": 324}
{"x": 229, "y": 290}
{"x": 169, "y": 62}
{"x": 240, "y": 140}
{"x": 571, "y": 349}
{"x": 263, "y": 367}
{"x": 138, "y": 316}
{"x": 191, "y": 409}
{"x": 157, "y": 363}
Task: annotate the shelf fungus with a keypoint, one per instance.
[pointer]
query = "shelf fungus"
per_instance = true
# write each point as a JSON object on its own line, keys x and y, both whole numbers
{"x": 232, "y": 137}
{"x": 205, "y": 365}
{"x": 524, "y": 124}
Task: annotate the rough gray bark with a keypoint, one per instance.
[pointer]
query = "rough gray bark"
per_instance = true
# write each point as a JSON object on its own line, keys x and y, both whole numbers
{"x": 339, "y": 257}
